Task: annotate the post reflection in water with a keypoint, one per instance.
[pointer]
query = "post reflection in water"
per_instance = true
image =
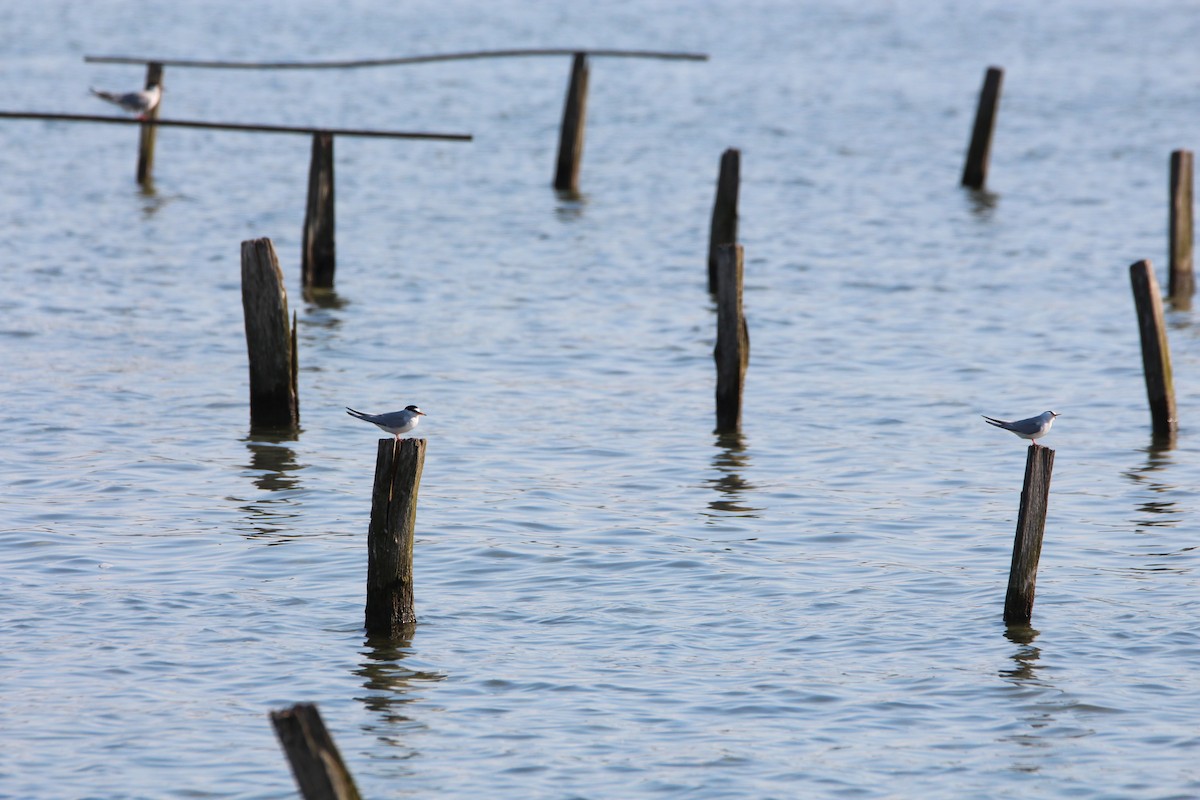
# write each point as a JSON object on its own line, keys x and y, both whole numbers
{"x": 274, "y": 469}
{"x": 1154, "y": 512}
{"x": 729, "y": 462}
{"x": 1026, "y": 655}
{"x": 389, "y": 685}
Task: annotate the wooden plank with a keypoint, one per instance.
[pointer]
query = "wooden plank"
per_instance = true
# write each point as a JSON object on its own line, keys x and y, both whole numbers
{"x": 316, "y": 763}
{"x": 390, "y": 610}
{"x": 980, "y": 151}
{"x": 1182, "y": 282}
{"x": 1031, "y": 526}
{"x": 318, "y": 256}
{"x": 1156, "y": 354}
{"x": 570, "y": 142}
{"x": 724, "y": 227}
{"x": 149, "y": 133}
{"x": 732, "y": 352}
{"x": 274, "y": 402}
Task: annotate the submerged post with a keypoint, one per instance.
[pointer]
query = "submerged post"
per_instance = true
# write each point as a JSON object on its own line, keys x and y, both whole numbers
{"x": 317, "y": 254}
{"x": 316, "y": 763}
{"x": 390, "y": 608}
{"x": 145, "y": 166}
{"x": 1031, "y": 525}
{"x": 1182, "y": 283}
{"x": 570, "y": 142}
{"x": 978, "y": 154}
{"x": 271, "y": 346}
{"x": 1156, "y": 355}
{"x": 732, "y": 352}
{"x": 724, "y": 226}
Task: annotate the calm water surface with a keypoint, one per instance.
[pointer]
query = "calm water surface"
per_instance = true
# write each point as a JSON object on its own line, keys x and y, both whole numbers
{"x": 613, "y": 602}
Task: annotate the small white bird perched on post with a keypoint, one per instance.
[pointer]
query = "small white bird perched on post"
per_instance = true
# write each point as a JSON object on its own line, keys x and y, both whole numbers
{"x": 1032, "y": 428}
{"x": 394, "y": 422}
{"x": 139, "y": 103}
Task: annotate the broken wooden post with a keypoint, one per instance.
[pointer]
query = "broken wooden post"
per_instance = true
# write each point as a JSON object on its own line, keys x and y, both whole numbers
{"x": 390, "y": 608}
{"x": 570, "y": 142}
{"x": 145, "y": 166}
{"x": 732, "y": 352}
{"x": 1031, "y": 525}
{"x": 1156, "y": 355}
{"x": 975, "y": 172}
{"x": 724, "y": 226}
{"x": 316, "y": 763}
{"x": 317, "y": 253}
{"x": 274, "y": 402}
{"x": 1182, "y": 283}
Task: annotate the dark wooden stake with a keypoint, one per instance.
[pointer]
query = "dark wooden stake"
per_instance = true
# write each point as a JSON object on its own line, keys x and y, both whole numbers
{"x": 724, "y": 227}
{"x": 1182, "y": 283}
{"x": 570, "y": 142}
{"x": 274, "y": 401}
{"x": 145, "y": 166}
{"x": 1031, "y": 525}
{"x": 1156, "y": 355}
{"x": 318, "y": 255}
{"x": 390, "y": 609}
{"x": 975, "y": 172}
{"x": 732, "y": 352}
{"x": 320, "y": 772}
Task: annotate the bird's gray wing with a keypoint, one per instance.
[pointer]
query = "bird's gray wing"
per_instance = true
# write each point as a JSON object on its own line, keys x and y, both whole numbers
{"x": 1031, "y": 425}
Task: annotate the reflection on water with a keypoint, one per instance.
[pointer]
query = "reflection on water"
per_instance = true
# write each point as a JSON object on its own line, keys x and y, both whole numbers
{"x": 1154, "y": 512}
{"x": 983, "y": 203}
{"x": 729, "y": 462}
{"x": 570, "y": 205}
{"x": 274, "y": 470}
{"x": 324, "y": 299}
{"x": 388, "y": 683}
{"x": 1026, "y": 655}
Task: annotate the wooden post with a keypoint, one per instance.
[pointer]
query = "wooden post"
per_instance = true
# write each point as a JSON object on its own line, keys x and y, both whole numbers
{"x": 316, "y": 763}
{"x": 724, "y": 227}
{"x": 1031, "y": 525}
{"x": 274, "y": 401}
{"x": 732, "y": 352}
{"x": 570, "y": 142}
{"x": 145, "y": 166}
{"x": 1156, "y": 355}
{"x": 398, "y": 466}
{"x": 975, "y": 172}
{"x": 1182, "y": 283}
{"x": 317, "y": 254}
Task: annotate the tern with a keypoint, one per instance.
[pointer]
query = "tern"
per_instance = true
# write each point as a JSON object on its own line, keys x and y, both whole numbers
{"x": 394, "y": 422}
{"x": 139, "y": 103}
{"x": 1032, "y": 428}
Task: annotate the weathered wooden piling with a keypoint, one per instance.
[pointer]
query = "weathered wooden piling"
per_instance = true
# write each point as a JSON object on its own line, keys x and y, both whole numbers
{"x": 145, "y": 166}
{"x": 318, "y": 254}
{"x": 1182, "y": 282}
{"x": 979, "y": 153}
{"x": 724, "y": 228}
{"x": 316, "y": 763}
{"x": 270, "y": 344}
{"x": 570, "y": 142}
{"x": 732, "y": 352}
{"x": 1031, "y": 525}
{"x": 390, "y": 608}
{"x": 1156, "y": 354}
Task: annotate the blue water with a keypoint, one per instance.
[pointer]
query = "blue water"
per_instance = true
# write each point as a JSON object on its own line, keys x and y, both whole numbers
{"x": 613, "y": 601}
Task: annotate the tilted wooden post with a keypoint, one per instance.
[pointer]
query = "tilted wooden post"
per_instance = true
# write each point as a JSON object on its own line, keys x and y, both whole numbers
{"x": 1182, "y": 283}
{"x": 979, "y": 153}
{"x": 316, "y": 763}
{"x": 270, "y": 344}
{"x": 732, "y": 352}
{"x": 390, "y": 608}
{"x": 1031, "y": 525}
{"x": 317, "y": 253}
{"x": 724, "y": 229}
{"x": 1156, "y": 354}
{"x": 145, "y": 166}
{"x": 570, "y": 142}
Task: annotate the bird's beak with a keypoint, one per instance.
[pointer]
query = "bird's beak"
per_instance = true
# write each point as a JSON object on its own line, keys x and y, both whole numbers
{"x": 420, "y": 413}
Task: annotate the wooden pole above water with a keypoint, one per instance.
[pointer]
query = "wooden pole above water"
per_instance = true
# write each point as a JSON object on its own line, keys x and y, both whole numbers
{"x": 1156, "y": 354}
{"x": 318, "y": 256}
{"x": 316, "y": 763}
{"x": 149, "y": 133}
{"x": 390, "y": 608}
{"x": 724, "y": 228}
{"x": 732, "y": 352}
{"x": 1182, "y": 283}
{"x": 270, "y": 344}
{"x": 570, "y": 142}
{"x": 1031, "y": 526}
{"x": 980, "y": 151}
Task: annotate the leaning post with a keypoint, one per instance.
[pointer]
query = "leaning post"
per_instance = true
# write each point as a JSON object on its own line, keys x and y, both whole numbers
{"x": 979, "y": 153}
{"x": 390, "y": 608}
{"x": 270, "y": 344}
{"x": 1031, "y": 525}
{"x": 732, "y": 352}
{"x": 724, "y": 228}
{"x": 570, "y": 142}
{"x": 318, "y": 254}
{"x": 149, "y": 133}
{"x": 1156, "y": 354}
{"x": 316, "y": 763}
{"x": 1182, "y": 283}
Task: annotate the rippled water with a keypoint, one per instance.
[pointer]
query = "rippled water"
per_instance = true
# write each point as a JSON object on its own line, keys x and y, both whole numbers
{"x": 613, "y": 602}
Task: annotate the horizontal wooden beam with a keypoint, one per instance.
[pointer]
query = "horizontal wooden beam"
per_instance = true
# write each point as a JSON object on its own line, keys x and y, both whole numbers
{"x": 235, "y": 126}
{"x": 390, "y": 62}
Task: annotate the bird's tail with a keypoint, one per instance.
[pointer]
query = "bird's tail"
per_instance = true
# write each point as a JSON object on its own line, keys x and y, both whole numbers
{"x": 356, "y": 414}
{"x": 109, "y": 96}
{"x": 999, "y": 423}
